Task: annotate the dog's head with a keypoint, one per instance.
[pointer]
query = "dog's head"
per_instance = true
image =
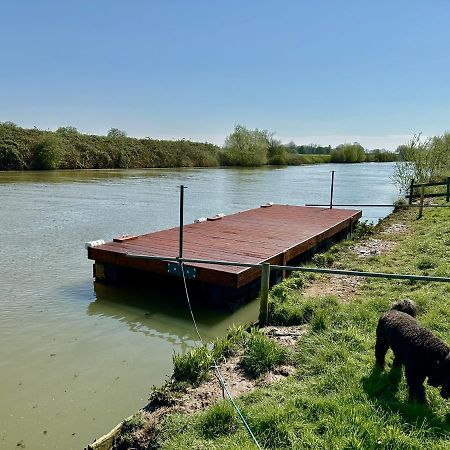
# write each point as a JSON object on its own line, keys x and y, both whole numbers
{"x": 440, "y": 376}
{"x": 407, "y": 306}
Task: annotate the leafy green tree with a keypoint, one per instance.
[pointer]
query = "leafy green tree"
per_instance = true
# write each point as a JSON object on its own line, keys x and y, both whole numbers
{"x": 422, "y": 160}
{"x": 245, "y": 147}
{"x": 348, "y": 153}
{"x": 116, "y": 133}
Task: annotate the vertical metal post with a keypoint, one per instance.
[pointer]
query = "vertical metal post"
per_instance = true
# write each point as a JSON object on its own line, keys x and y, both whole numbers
{"x": 411, "y": 190}
{"x": 422, "y": 195}
{"x": 332, "y": 189}
{"x": 180, "y": 241}
{"x": 264, "y": 305}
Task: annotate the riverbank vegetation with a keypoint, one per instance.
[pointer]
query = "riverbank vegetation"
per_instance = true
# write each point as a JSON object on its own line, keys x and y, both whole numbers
{"x": 423, "y": 160}
{"x": 246, "y": 147}
{"x": 67, "y": 148}
{"x": 335, "y": 398}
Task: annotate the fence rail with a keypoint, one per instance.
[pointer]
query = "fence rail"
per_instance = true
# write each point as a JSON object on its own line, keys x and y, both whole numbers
{"x": 266, "y": 268}
{"x": 422, "y": 194}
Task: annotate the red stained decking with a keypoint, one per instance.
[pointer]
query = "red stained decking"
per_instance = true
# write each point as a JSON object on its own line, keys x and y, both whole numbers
{"x": 276, "y": 234}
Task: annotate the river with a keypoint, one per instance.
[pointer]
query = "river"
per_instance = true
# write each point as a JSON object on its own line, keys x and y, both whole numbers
{"x": 75, "y": 360}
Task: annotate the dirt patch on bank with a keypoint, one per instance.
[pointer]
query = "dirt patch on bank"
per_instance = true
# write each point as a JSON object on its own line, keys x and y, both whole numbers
{"x": 396, "y": 228}
{"x": 342, "y": 286}
{"x": 198, "y": 398}
{"x": 372, "y": 247}
{"x": 237, "y": 381}
{"x": 346, "y": 287}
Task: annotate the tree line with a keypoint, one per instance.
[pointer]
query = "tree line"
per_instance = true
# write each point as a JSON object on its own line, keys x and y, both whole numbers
{"x": 67, "y": 148}
{"x": 246, "y": 147}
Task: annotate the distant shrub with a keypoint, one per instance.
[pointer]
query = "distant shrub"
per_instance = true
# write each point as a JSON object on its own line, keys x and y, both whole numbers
{"x": 278, "y": 155}
{"x": 116, "y": 133}
{"x": 11, "y": 155}
{"x": 67, "y": 130}
{"x": 47, "y": 154}
{"x": 262, "y": 354}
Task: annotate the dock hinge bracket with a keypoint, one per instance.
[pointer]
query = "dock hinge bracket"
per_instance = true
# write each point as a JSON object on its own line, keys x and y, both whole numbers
{"x": 175, "y": 269}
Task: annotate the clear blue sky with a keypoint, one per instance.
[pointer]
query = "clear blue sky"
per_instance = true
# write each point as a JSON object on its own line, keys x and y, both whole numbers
{"x": 312, "y": 71}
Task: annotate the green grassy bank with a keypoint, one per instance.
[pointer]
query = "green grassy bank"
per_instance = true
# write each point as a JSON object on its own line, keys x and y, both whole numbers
{"x": 336, "y": 399}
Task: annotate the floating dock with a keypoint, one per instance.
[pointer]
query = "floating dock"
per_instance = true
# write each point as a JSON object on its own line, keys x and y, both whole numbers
{"x": 277, "y": 234}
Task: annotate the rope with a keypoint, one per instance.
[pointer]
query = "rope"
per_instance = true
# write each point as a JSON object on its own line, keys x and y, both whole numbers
{"x": 215, "y": 366}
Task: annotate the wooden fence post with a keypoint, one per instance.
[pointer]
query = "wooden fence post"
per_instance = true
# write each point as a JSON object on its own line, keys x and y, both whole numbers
{"x": 448, "y": 189}
{"x": 264, "y": 305}
{"x": 411, "y": 190}
{"x": 422, "y": 195}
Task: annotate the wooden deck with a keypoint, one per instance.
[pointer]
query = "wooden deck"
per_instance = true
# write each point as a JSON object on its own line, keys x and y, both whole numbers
{"x": 276, "y": 234}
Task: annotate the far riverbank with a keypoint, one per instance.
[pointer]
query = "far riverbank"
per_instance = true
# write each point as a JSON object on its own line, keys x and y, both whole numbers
{"x": 66, "y": 148}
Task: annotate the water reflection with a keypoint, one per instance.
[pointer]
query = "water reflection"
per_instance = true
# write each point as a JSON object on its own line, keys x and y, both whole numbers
{"x": 165, "y": 314}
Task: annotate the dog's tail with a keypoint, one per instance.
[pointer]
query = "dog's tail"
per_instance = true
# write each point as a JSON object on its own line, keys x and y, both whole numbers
{"x": 406, "y": 306}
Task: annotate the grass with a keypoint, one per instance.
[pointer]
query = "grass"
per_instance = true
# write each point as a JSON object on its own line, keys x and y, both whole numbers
{"x": 337, "y": 399}
{"x": 262, "y": 354}
{"x": 193, "y": 366}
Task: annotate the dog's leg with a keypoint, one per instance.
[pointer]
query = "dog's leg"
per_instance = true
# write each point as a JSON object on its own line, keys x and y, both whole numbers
{"x": 397, "y": 362}
{"x": 415, "y": 380}
{"x": 381, "y": 346}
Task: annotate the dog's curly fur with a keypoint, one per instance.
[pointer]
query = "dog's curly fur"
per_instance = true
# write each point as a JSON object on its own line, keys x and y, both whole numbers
{"x": 415, "y": 347}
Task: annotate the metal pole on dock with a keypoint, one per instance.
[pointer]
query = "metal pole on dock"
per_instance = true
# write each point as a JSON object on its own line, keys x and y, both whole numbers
{"x": 264, "y": 305}
{"x": 332, "y": 189}
{"x": 180, "y": 242}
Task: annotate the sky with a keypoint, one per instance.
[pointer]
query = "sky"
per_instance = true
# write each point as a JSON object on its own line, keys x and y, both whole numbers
{"x": 322, "y": 72}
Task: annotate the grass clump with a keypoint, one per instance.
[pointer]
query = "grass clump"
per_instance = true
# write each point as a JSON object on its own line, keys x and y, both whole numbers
{"x": 230, "y": 344}
{"x": 262, "y": 354}
{"x": 220, "y": 419}
{"x": 362, "y": 229}
{"x": 193, "y": 366}
{"x": 297, "y": 310}
{"x": 323, "y": 259}
{"x": 426, "y": 263}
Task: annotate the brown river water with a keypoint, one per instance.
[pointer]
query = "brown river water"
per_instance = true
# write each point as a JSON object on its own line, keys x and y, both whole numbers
{"x": 74, "y": 359}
